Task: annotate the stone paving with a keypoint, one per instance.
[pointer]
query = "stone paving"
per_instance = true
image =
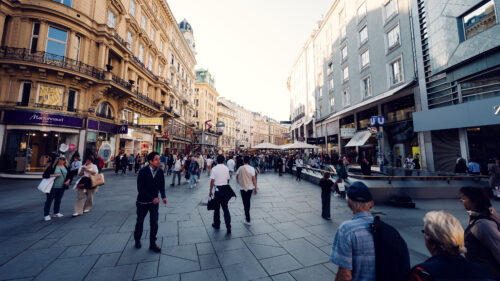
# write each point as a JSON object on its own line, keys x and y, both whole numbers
{"x": 288, "y": 239}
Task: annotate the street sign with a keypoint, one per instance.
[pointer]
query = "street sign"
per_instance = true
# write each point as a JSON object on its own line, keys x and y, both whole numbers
{"x": 377, "y": 120}
{"x": 380, "y": 135}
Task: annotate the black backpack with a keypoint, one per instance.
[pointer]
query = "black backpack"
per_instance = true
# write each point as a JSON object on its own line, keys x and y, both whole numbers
{"x": 392, "y": 259}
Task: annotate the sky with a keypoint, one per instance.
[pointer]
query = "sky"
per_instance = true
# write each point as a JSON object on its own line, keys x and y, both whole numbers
{"x": 251, "y": 45}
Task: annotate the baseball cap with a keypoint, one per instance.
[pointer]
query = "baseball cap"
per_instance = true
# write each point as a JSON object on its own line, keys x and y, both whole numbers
{"x": 359, "y": 192}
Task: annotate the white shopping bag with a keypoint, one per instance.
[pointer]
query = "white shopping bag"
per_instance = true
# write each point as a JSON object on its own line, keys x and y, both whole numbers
{"x": 46, "y": 185}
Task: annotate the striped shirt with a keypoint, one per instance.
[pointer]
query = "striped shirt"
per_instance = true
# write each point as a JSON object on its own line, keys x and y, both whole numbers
{"x": 353, "y": 247}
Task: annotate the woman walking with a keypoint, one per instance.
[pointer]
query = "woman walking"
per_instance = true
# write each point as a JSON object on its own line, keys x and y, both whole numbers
{"x": 342, "y": 176}
{"x": 137, "y": 165}
{"x": 84, "y": 188}
{"x": 326, "y": 191}
{"x": 58, "y": 170}
{"x": 298, "y": 165}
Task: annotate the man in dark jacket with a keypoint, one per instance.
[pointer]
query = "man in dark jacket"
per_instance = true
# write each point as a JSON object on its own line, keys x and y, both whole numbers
{"x": 150, "y": 181}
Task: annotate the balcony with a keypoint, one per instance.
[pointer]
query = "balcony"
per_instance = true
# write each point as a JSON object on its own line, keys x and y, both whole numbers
{"x": 144, "y": 67}
{"x": 48, "y": 106}
{"x": 120, "y": 40}
{"x": 23, "y": 54}
{"x": 121, "y": 82}
{"x": 147, "y": 100}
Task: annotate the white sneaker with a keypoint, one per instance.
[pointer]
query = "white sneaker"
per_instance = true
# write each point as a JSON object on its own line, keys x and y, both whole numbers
{"x": 86, "y": 211}
{"x": 244, "y": 221}
{"x": 46, "y": 218}
{"x": 58, "y": 215}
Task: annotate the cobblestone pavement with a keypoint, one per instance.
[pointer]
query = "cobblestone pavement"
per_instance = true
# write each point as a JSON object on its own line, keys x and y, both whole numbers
{"x": 288, "y": 239}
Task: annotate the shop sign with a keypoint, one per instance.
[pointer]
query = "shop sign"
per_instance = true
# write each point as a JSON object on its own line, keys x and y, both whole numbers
{"x": 26, "y": 117}
{"x": 347, "y": 132}
{"x": 112, "y": 128}
{"x": 285, "y": 135}
{"x": 72, "y": 147}
{"x": 63, "y": 147}
{"x": 497, "y": 109}
{"x": 321, "y": 140}
{"x": 105, "y": 152}
{"x": 146, "y": 121}
{"x": 333, "y": 139}
{"x": 311, "y": 141}
{"x": 92, "y": 124}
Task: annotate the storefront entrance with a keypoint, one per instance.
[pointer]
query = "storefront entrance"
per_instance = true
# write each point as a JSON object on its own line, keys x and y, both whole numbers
{"x": 484, "y": 145}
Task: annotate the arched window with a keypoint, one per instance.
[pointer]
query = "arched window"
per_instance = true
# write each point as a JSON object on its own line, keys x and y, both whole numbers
{"x": 105, "y": 110}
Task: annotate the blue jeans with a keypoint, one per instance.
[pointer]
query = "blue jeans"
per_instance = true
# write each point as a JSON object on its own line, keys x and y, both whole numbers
{"x": 55, "y": 195}
{"x": 192, "y": 180}
{"x": 178, "y": 174}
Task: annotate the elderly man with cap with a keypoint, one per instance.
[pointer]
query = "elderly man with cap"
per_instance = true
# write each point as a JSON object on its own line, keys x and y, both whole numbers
{"x": 353, "y": 248}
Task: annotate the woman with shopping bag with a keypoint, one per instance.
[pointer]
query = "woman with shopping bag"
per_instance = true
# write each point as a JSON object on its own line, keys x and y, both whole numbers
{"x": 85, "y": 188}
{"x": 59, "y": 171}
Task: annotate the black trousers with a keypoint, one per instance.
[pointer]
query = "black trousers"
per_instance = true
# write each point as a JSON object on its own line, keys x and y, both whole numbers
{"x": 142, "y": 211}
{"x": 325, "y": 203}
{"x": 299, "y": 172}
{"x": 246, "y": 196}
{"x": 227, "y": 216}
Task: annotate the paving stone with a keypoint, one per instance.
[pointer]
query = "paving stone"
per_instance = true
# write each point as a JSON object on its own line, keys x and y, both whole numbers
{"x": 291, "y": 230}
{"x": 131, "y": 255}
{"x": 244, "y": 271}
{"x": 332, "y": 267}
{"x": 122, "y": 273}
{"x": 73, "y": 251}
{"x": 175, "y": 277}
{"x": 215, "y": 274}
{"x": 108, "y": 243}
{"x": 228, "y": 245}
{"x": 146, "y": 270}
{"x": 262, "y": 239}
{"x": 68, "y": 269}
{"x": 107, "y": 260}
{"x": 171, "y": 265}
{"x": 283, "y": 277}
{"x": 278, "y": 236}
{"x": 263, "y": 251}
{"x": 79, "y": 237}
{"x": 319, "y": 272}
{"x": 45, "y": 243}
{"x": 304, "y": 252}
{"x": 205, "y": 248}
{"x": 235, "y": 256}
{"x": 187, "y": 252}
{"x": 190, "y": 235}
{"x": 280, "y": 264}
{"x": 209, "y": 261}
{"x": 29, "y": 263}
{"x": 167, "y": 229}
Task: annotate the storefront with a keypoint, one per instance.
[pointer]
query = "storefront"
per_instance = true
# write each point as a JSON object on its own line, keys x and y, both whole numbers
{"x": 101, "y": 139}
{"x": 369, "y": 147}
{"x": 332, "y": 143}
{"x": 136, "y": 142}
{"x": 347, "y": 131}
{"x": 31, "y": 136}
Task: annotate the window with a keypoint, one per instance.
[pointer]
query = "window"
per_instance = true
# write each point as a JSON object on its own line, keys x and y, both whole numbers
{"x": 363, "y": 35}
{"x": 150, "y": 63}
{"x": 132, "y": 7}
{"x": 136, "y": 118}
{"x": 50, "y": 95}
{"x": 130, "y": 40}
{"x": 143, "y": 22}
{"x": 71, "y": 100}
{"x": 105, "y": 110}
{"x": 161, "y": 46}
{"x": 343, "y": 32}
{"x": 330, "y": 84}
{"x": 34, "y": 37}
{"x": 56, "y": 43}
{"x": 346, "y": 97}
{"x": 366, "y": 86}
{"x": 127, "y": 115}
{"x": 24, "y": 97}
{"x": 479, "y": 19}
{"x": 152, "y": 34}
{"x": 160, "y": 69}
{"x": 141, "y": 53}
{"x": 365, "y": 59}
{"x": 393, "y": 37}
{"x": 172, "y": 60}
{"x": 77, "y": 47}
{"x": 343, "y": 52}
{"x": 154, "y": 9}
{"x": 320, "y": 91}
{"x": 396, "y": 71}
{"x": 390, "y": 9}
{"x": 65, "y": 2}
{"x": 111, "y": 19}
{"x": 332, "y": 104}
{"x": 345, "y": 73}
{"x": 362, "y": 11}
{"x": 342, "y": 24}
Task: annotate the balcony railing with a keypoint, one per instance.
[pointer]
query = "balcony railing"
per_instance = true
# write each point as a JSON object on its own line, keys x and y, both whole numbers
{"x": 147, "y": 100}
{"x": 23, "y": 54}
{"x": 48, "y": 106}
{"x": 121, "y": 82}
{"x": 138, "y": 61}
{"x": 121, "y": 40}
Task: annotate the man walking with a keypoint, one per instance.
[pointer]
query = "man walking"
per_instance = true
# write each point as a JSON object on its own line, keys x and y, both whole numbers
{"x": 222, "y": 192}
{"x": 230, "y": 166}
{"x": 201, "y": 164}
{"x": 193, "y": 172}
{"x": 177, "y": 171}
{"x": 353, "y": 248}
{"x": 245, "y": 176}
{"x": 299, "y": 163}
{"x": 150, "y": 181}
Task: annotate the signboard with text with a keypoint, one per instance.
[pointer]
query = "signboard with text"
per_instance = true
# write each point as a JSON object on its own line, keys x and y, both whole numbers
{"x": 147, "y": 121}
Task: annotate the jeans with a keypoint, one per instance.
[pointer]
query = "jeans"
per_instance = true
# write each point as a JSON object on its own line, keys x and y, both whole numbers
{"x": 192, "y": 180}
{"x": 245, "y": 196}
{"x": 325, "y": 203}
{"x": 227, "y": 216}
{"x": 142, "y": 211}
{"x": 55, "y": 195}
{"x": 178, "y": 173}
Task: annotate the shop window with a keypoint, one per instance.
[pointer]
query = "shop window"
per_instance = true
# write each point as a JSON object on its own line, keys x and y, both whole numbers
{"x": 479, "y": 19}
{"x": 71, "y": 100}
{"x": 132, "y": 7}
{"x": 34, "y": 37}
{"x": 24, "y": 97}
{"x": 393, "y": 38}
{"x": 105, "y": 110}
{"x": 111, "y": 19}
{"x": 68, "y": 3}
{"x": 56, "y": 44}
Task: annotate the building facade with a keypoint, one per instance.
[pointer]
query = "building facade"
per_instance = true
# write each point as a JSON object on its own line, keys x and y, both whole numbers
{"x": 226, "y": 122}
{"x": 97, "y": 77}
{"x": 205, "y": 103}
{"x": 243, "y": 124}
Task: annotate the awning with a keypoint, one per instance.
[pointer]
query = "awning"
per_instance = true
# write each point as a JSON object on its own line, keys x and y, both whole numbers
{"x": 359, "y": 139}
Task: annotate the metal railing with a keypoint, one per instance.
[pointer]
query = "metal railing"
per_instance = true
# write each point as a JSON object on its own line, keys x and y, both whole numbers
{"x": 48, "y": 106}
{"x": 138, "y": 61}
{"x": 121, "y": 40}
{"x": 23, "y": 54}
{"x": 121, "y": 82}
{"x": 147, "y": 100}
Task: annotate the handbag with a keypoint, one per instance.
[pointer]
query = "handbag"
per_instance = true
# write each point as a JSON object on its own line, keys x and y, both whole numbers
{"x": 45, "y": 185}
{"x": 211, "y": 204}
{"x": 97, "y": 180}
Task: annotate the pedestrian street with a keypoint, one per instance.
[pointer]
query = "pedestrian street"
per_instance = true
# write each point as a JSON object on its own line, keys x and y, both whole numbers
{"x": 287, "y": 238}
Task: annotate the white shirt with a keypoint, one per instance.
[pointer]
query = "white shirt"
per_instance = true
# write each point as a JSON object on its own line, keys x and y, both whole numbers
{"x": 299, "y": 163}
{"x": 91, "y": 167}
{"x": 230, "y": 165}
{"x": 220, "y": 174}
{"x": 251, "y": 171}
{"x": 178, "y": 165}
{"x": 209, "y": 162}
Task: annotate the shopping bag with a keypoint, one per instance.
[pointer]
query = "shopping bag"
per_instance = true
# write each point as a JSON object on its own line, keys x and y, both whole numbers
{"x": 211, "y": 204}
{"x": 97, "y": 180}
{"x": 46, "y": 185}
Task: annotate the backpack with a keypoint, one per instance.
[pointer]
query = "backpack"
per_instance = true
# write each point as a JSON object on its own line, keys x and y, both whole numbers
{"x": 392, "y": 259}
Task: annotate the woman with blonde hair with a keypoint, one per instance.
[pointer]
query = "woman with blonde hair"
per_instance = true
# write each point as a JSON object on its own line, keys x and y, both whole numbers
{"x": 59, "y": 171}
{"x": 444, "y": 239}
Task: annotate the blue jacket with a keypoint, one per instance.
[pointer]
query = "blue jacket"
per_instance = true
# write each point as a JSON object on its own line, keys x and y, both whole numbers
{"x": 149, "y": 187}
